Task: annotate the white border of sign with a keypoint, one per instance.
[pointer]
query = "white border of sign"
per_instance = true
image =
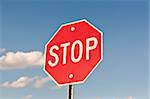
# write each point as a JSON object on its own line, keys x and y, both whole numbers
{"x": 80, "y": 82}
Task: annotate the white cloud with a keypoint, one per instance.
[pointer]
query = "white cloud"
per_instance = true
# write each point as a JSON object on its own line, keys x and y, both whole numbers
{"x": 99, "y": 98}
{"x": 130, "y": 97}
{"x": 19, "y": 83}
{"x": 24, "y": 81}
{"x": 2, "y": 50}
{"x": 21, "y": 60}
{"x": 39, "y": 83}
{"x": 28, "y": 96}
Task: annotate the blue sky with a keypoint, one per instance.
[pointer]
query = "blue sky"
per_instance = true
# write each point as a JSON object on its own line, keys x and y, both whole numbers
{"x": 26, "y": 25}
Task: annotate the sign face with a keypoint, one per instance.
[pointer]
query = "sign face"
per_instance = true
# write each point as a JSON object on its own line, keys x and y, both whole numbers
{"x": 73, "y": 52}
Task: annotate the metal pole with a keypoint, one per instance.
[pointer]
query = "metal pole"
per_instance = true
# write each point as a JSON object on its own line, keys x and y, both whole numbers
{"x": 70, "y": 92}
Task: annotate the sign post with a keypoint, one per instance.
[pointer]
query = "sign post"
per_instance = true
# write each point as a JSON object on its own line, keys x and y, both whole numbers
{"x": 73, "y": 53}
{"x": 70, "y": 92}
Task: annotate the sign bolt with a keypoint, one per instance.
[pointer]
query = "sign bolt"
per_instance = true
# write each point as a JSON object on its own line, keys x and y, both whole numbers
{"x": 72, "y": 28}
{"x": 71, "y": 76}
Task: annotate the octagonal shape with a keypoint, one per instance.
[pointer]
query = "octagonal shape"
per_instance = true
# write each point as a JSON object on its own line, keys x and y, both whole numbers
{"x": 73, "y": 53}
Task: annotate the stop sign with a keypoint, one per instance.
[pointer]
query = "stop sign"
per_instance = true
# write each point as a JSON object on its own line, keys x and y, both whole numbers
{"x": 73, "y": 52}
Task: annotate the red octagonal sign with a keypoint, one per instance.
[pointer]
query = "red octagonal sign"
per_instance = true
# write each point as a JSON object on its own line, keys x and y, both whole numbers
{"x": 73, "y": 52}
